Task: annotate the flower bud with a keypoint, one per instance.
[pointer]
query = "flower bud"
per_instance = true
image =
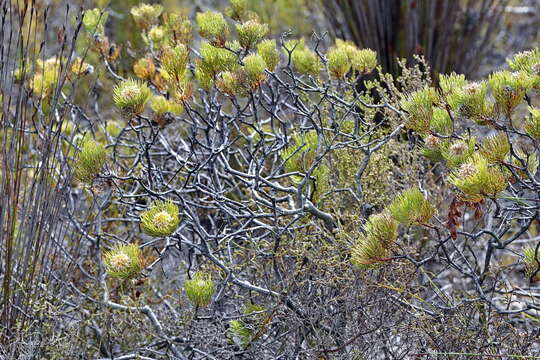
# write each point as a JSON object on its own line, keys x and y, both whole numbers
{"x": 200, "y": 289}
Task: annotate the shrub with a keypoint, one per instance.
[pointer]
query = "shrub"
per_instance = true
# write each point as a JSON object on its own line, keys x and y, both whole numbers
{"x": 357, "y": 225}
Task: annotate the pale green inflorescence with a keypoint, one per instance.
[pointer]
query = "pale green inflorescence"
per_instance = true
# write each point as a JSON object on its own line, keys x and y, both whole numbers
{"x": 254, "y": 66}
{"x": 162, "y": 219}
{"x": 213, "y": 27}
{"x": 123, "y": 261}
{"x": 509, "y": 89}
{"x": 200, "y": 289}
{"x": 528, "y": 62}
{"x": 532, "y": 125}
{"x": 90, "y": 161}
{"x": 174, "y": 61}
{"x": 338, "y": 62}
{"x": 477, "y": 179}
{"x": 412, "y": 208}
{"x": 371, "y": 249}
{"x": 457, "y": 152}
{"x": 161, "y": 106}
{"x": 250, "y": 33}
{"x": 268, "y": 50}
{"x": 419, "y": 106}
{"x": 146, "y": 15}
{"x": 131, "y": 96}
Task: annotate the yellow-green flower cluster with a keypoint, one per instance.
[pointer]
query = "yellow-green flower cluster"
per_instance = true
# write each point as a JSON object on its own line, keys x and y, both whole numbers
{"x": 509, "y": 89}
{"x": 532, "y": 125}
{"x": 179, "y": 28}
{"x": 345, "y": 56}
{"x": 131, "y": 96}
{"x": 477, "y": 179}
{"x": 227, "y": 83}
{"x": 90, "y": 161}
{"x": 250, "y": 33}
{"x": 419, "y": 106}
{"x": 213, "y": 27}
{"x": 161, "y": 106}
{"x": 94, "y": 21}
{"x": 451, "y": 83}
{"x": 338, "y": 62}
{"x": 457, "y": 152}
{"x": 144, "y": 68}
{"x": 146, "y": 15}
{"x": 372, "y": 248}
{"x": 200, "y": 289}
{"x": 305, "y": 60}
{"x": 174, "y": 62}
{"x": 123, "y": 261}
{"x": 157, "y": 36}
{"x": 470, "y": 101}
{"x": 254, "y": 66}
{"x": 528, "y": 62}
{"x": 214, "y": 60}
{"x": 267, "y": 49}
{"x": 411, "y": 208}
{"x": 380, "y": 231}
{"x": 162, "y": 219}
{"x": 531, "y": 260}
{"x": 495, "y": 148}
{"x": 238, "y": 10}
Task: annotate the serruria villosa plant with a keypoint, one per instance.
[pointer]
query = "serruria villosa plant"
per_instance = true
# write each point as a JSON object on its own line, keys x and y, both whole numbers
{"x": 290, "y": 178}
{"x": 161, "y": 219}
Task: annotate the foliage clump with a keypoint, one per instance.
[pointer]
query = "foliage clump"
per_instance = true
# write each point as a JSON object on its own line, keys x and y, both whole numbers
{"x": 267, "y": 49}
{"x": 419, "y": 106}
{"x": 250, "y": 33}
{"x": 146, "y": 15}
{"x": 90, "y": 161}
{"x": 411, "y": 208}
{"x": 305, "y": 60}
{"x": 213, "y": 27}
{"x": 371, "y": 249}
